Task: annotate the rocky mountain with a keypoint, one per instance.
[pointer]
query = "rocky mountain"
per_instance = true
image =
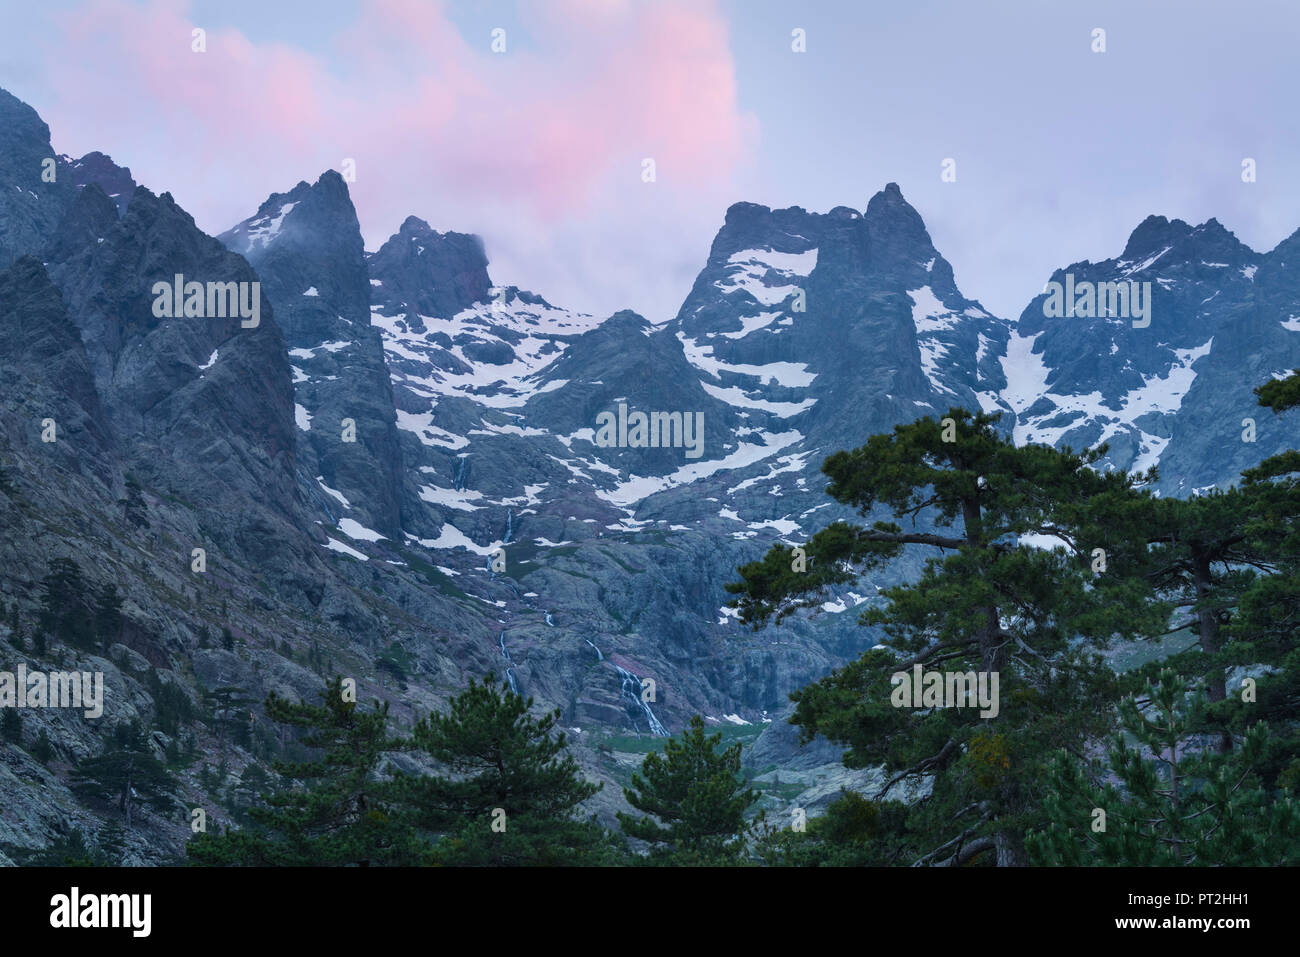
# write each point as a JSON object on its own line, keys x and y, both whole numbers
{"x": 1173, "y": 388}
{"x": 843, "y": 322}
{"x": 409, "y": 473}
{"x": 39, "y": 184}
{"x": 95, "y": 167}
{"x": 33, "y": 198}
{"x": 306, "y": 248}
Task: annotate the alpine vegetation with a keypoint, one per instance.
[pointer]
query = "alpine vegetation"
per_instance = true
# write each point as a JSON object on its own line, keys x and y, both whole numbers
{"x": 421, "y": 567}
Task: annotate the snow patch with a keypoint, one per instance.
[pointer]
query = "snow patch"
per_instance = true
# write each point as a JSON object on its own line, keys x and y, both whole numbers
{"x": 336, "y": 546}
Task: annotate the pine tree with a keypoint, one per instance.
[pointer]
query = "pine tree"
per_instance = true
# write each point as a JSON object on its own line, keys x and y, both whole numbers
{"x": 108, "y": 616}
{"x": 695, "y": 800}
{"x": 1179, "y": 802}
{"x": 11, "y": 726}
{"x": 1202, "y": 558}
{"x": 512, "y": 792}
{"x": 126, "y": 773}
{"x": 228, "y": 705}
{"x": 172, "y": 706}
{"x": 1280, "y": 395}
{"x": 42, "y": 750}
{"x": 333, "y": 812}
{"x": 64, "y": 614}
{"x": 985, "y": 604}
{"x": 1262, "y": 636}
{"x": 853, "y": 832}
{"x": 70, "y": 851}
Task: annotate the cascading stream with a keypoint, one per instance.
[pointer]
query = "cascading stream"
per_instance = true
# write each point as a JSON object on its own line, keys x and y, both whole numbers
{"x": 632, "y": 691}
{"x": 510, "y": 671}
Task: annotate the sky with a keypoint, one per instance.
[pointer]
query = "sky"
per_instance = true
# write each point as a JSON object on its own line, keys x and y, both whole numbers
{"x": 541, "y": 148}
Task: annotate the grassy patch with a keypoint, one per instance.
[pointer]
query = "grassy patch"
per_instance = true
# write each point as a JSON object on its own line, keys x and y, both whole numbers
{"x": 431, "y": 575}
{"x": 630, "y": 569}
{"x": 536, "y": 555}
{"x": 746, "y": 734}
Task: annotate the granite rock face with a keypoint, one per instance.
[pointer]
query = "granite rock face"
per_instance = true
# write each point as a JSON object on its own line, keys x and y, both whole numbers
{"x": 306, "y": 248}
{"x": 30, "y": 205}
{"x": 410, "y": 474}
{"x": 1172, "y": 388}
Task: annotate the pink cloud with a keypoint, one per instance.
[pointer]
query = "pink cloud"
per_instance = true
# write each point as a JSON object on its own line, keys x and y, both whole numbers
{"x": 553, "y": 131}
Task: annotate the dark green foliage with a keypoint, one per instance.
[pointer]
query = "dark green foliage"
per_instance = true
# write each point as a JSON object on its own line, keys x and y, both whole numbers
{"x": 695, "y": 799}
{"x": 65, "y": 613}
{"x": 1266, "y": 620}
{"x": 74, "y": 851}
{"x": 134, "y": 509}
{"x": 1179, "y": 802}
{"x": 172, "y": 706}
{"x": 1280, "y": 394}
{"x": 395, "y": 661}
{"x": 332, "y": 812}
{"x": 1205, "y": 555}
{"x": 854, "y": 832}
{"x": 126, "y": 774}
{"x": 252, "y": 789}
{"x": 108, "y": 616}
{"x": 229, "y": 711}
{"x": 42, "y": 750}
{"x": 507, "y": 769}
{"x": 983, "y": 605}
{"x": 11, "y": 726}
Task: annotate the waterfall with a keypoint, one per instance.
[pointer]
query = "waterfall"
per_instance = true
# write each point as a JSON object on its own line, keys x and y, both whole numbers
{"x": 510, "y": 526}
{"x": 458, "y": 476}
{"x": 551, "y": 621}
{"x": 632, "y": 691}
{"x": 599, "y": 656}
{"x": 510, "y": 672}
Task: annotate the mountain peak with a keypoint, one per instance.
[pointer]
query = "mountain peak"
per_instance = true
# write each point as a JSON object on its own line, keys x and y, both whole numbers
{"x": 427, "y": 272}
{"x": 1153, "y": 234}
{"x": 20, "y": 120}
{"x": 889, "y": 203}
{"x": 897, "y": 232}
{"x": 743, "y": 212}
{"x": 30, "y": 207}
{"x": 99, "y": 169}
{"x": 320, "y": 209}
{"x": 414, "y": 224}
{"x": 1211, "y": 240}
{"x": 332, "y": 179}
